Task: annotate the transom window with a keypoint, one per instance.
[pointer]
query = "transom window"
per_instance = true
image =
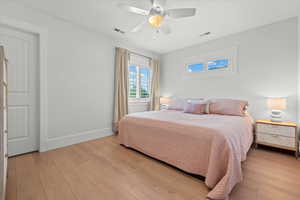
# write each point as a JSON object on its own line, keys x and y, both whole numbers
{"x": 196, "y": 67}
{"x": 217, "y": 64}
{"x": 211, "y": 65}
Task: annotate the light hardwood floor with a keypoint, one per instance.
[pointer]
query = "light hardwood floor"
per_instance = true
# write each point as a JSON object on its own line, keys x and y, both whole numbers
{"x": 104, "y": 170}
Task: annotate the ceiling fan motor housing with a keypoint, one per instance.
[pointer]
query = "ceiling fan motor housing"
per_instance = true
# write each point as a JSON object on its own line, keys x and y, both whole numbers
{"x": 156, "y": 11}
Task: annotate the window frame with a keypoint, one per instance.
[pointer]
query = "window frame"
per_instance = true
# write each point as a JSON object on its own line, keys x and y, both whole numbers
{"x": 139, "y": 99}
{"x": 221, "y": 68}
{"x": 205, "y": 64}
{"x": 230, "y": 54}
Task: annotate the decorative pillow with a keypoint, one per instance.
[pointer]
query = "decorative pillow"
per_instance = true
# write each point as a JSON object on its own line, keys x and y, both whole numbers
{"x": 195, "y": 108}
{"x": 176, "y": 104}
{"x": 228, "y": 107}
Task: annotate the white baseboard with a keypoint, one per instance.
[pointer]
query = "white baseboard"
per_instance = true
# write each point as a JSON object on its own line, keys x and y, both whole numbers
{"x": 58, "y": 142}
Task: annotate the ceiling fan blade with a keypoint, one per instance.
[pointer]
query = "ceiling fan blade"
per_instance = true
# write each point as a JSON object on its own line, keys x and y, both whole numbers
{"x": 138, "y": 27}
{"x": 181, "y": 12}
{"x": 134, "y": 10}
{"x": 165, "y": 28}
{"x": 160, "y": 3}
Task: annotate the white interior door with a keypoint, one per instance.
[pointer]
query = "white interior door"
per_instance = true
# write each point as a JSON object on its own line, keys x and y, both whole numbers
{"x": 23, "y": 105}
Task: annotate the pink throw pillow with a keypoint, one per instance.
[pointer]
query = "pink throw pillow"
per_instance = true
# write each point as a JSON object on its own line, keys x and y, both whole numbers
{"x": 228, "y": 107}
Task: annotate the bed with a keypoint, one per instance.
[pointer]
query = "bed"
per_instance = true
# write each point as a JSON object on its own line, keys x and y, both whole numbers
{"x": 209, "y": 145}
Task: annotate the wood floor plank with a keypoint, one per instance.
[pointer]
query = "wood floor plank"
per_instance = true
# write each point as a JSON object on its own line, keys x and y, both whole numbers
{"x": 154, "y": 186}
{"x": 129, "y": 178}
{"x": 67, "y": 163}
{"x": 103, "y": 169}
{"x": 54, "y": 183}
{"x": 80, "y": 178}
{"x": 103, "y": 174}
{"x": 11, "y": 187}
{"x": 29, "y": 185}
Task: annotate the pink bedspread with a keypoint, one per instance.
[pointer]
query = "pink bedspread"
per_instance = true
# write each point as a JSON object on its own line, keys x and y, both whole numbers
{"x": 209, "y": 145}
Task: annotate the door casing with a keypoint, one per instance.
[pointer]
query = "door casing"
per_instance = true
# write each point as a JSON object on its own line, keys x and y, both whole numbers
{"x": 42, "y": 34}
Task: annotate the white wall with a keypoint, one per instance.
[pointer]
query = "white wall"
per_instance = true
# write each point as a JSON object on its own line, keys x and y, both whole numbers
{"x": 267, "y": 66}
{"x": 80, "y": 73}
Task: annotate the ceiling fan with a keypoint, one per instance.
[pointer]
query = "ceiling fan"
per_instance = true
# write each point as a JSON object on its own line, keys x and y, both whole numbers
{"x": 157, "y": 15}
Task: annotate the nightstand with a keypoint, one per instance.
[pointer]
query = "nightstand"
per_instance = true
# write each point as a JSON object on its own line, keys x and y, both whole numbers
{"x": 283, "y": 135}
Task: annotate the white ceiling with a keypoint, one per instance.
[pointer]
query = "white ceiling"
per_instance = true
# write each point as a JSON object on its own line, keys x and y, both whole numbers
{"x": 220, "y": 17}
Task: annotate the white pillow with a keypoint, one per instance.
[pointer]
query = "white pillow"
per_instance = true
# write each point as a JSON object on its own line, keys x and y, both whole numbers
{"x": 195, "y": 100}
{"x": 176, "y": 104}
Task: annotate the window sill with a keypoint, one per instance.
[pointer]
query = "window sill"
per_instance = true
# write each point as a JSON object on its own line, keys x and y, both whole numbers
{"x": 138, "y": 101}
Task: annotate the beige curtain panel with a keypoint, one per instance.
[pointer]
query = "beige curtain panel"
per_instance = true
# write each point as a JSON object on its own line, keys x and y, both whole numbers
{"x": 155, "y": 88}
{"x": 121, "y": 86}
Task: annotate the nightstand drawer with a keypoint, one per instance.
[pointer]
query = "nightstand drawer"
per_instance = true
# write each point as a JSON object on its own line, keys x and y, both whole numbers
{"x": 274, "y": 129}
{"x": 275, "y": 139}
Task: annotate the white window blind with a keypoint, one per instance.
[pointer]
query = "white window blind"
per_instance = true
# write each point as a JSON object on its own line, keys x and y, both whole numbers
{"x": 139, "y": 60}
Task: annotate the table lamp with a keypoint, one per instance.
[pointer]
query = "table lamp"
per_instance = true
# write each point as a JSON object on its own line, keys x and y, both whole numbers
{"x": 276, "y": 104}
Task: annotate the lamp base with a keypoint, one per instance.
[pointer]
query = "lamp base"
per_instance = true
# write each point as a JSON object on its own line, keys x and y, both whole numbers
{"x": 276, "y": 116}
{"x": 164, "y": 106}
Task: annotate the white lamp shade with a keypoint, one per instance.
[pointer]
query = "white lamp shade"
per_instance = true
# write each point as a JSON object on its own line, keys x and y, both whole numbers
{"x": 277, "y": 103}
{"x": 165, "y": 100}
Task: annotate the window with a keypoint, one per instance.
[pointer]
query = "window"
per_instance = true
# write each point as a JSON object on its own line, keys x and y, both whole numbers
{"x": 132, "y": 81}
{"x": 217, "y": 64}
{"x": 208, "y": 66}
{"x": 139, "y": 78}
{"x": 144, "y": 82}
{"x": 196, "y": 67}
{"x": 213, "y": 63}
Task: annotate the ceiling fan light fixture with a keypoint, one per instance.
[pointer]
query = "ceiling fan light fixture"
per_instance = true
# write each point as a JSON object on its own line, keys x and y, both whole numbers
{"x": 155, "y": 16}
{"x": 156, "y": 20}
